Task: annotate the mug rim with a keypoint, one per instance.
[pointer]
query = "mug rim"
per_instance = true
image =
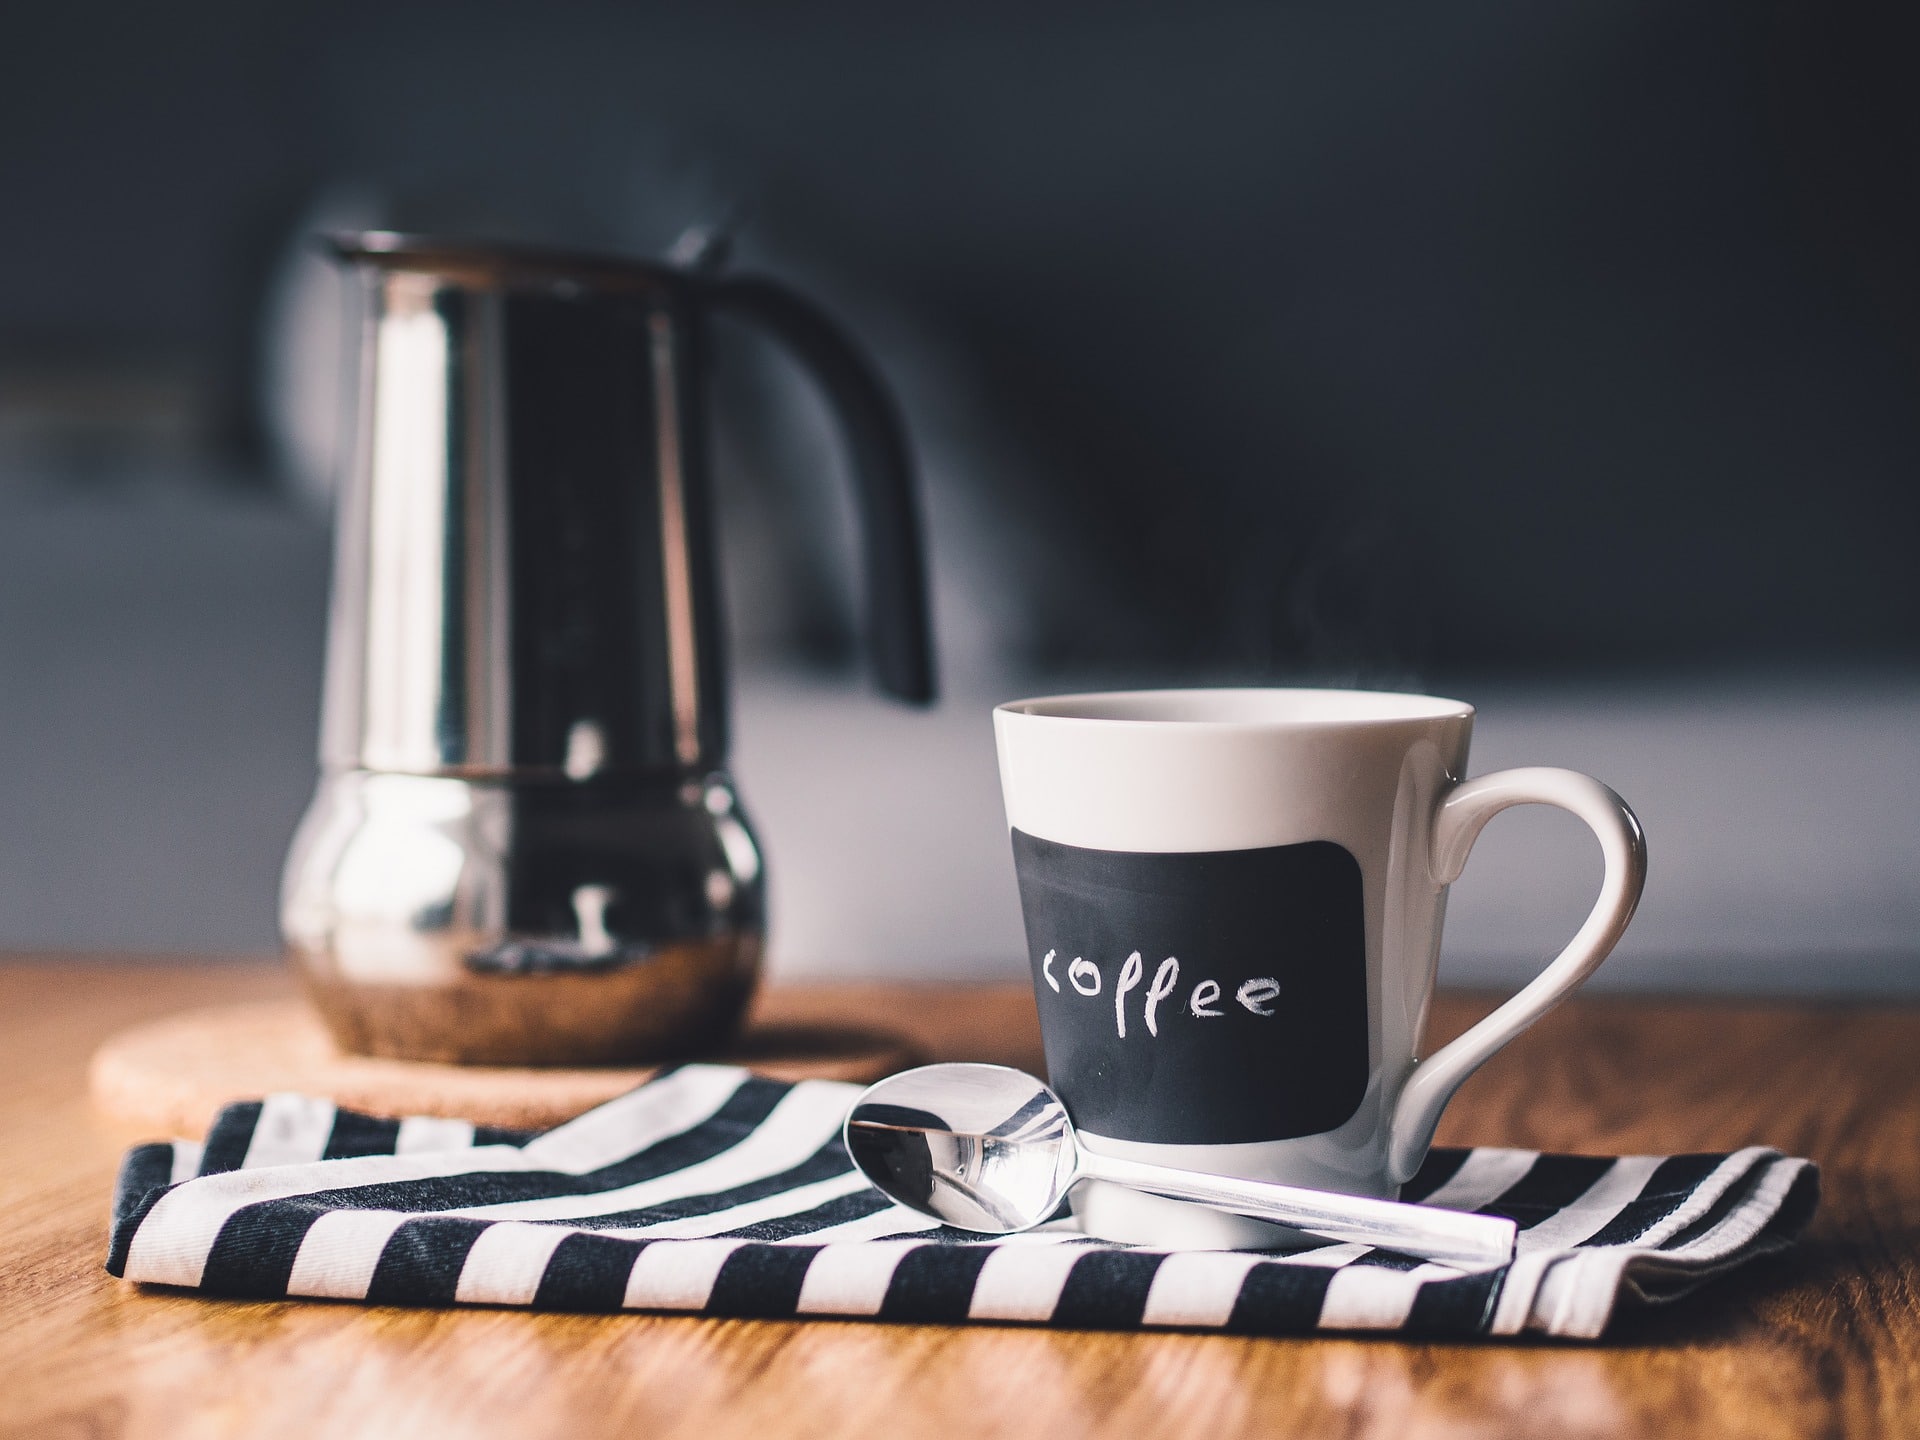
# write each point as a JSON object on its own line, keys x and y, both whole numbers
{"x": 1294, "y": 708}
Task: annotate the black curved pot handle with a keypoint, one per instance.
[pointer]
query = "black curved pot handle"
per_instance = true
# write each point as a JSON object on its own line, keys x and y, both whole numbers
{"x": 899, "y": 637}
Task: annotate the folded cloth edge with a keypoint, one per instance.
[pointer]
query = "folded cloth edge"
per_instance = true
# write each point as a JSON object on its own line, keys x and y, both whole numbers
{"x": 1754, "y": 1203}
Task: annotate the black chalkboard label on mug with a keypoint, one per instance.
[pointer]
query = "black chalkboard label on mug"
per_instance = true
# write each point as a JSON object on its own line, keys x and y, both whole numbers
{"x": 1205, "y": 998}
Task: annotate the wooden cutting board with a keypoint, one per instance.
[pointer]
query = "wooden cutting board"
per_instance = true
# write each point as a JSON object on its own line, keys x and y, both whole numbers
{"x": 171, "y": 1076}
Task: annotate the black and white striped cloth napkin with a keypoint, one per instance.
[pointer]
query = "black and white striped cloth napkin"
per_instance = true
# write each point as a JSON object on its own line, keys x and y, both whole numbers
{"x": 716, "y": 1191}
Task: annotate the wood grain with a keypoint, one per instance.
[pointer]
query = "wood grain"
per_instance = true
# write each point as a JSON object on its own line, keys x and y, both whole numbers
{"x": 1824, "y": 1341}
{"x": 173, "y": 1074}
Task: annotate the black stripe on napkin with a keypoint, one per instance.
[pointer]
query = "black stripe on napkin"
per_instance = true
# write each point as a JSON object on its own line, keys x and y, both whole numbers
{"x": 500, "y": 1135}
{"x": 1669, "y": 1187}
{"x": 422, "y": 1260}
{"x": 825, "y": 1163}
{"x": 588, "y": 1274}
{"x": 1380, "y": 1259}
{"x": 356, "y": 1134}
{"x": 761, "y": 1282}
{"x": 1456, "y": 1308}
{"x": 144, "y": 1170}
{"x": 254, "y": 1253}
{"x": 1552, "y": 1183}
{"x": 1724, "y": 1204}
{"x": 835, "y": 1212}
{"x": 229, "y": 1137}
{"x": 933, "y": 1283}
{"x": 1796, "y": 1210}
{"x": 743, "y": 1113}
{"x": 1439, "y": 1167}
{"x": 1107, "y": 1290}
{"x": 932, "y": 1278}
{"x": 145, "y": 1175}
{"x": 1278, "y": 1298}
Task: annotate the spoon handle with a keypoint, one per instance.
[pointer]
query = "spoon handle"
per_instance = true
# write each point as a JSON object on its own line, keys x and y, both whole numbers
{"x": 1426, "y": 1231}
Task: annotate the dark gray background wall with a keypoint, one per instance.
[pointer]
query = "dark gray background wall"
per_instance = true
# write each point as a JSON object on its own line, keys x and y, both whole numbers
{"x": 1408, "y": 340}
{"x": 1561, "y": 356}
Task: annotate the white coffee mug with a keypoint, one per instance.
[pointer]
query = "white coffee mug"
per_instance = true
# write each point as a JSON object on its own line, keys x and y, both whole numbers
{"x": 1233, "y": 902}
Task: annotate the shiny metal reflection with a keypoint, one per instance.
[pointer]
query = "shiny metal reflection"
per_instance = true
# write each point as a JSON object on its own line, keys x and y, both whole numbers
{"x": 494, "y": 922}
{"x": 525, "y": 847}
{"x": 990, "y": 1149}
{"x": 976, "y": 1145}
{"x": 522, "y": 546}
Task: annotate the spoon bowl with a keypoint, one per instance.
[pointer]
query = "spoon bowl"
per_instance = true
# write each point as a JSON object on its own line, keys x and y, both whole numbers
{"x": 982, "y": 1147}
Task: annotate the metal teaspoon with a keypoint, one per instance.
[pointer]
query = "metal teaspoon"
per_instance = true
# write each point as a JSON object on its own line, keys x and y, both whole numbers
{"x": 990, "y": 1149}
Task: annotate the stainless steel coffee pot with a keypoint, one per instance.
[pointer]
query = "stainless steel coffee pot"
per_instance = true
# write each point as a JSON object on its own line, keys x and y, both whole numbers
{"x": 525, "y": 847}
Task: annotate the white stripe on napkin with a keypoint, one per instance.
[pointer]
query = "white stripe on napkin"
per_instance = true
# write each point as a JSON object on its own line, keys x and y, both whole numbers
{"x": 772, "y": 1207}
{"x": 1536, "y": 1284}
{"x": 187, "y": 1155}
{"x": 894, "y": 1220}
{"x": 172, "y": 1244}
{"x": 1576, "y": 1295}
{"x": 505, "y": 1264}
{"x": 1023, "y": 1282}
{"x": 1199, "y": 1287}
{"x": 340, "y": 1252}
{"x": 1597, "y": 1206}
{"x": 291, "y": 1130}
{"x": 420, "y": 1134}
{"x": 671, "y": 1105}
{"x": 1372, "y": 1297}
{"x": 1704, "y": 1197}
{"x": 1555, "y": 1284}
{"x": 805, "y": 1119}
{"x": 677, "y": 1275}
{"x": 852, "y": 1279}
{"x": 1750, "y": 1216}
{"x": 1484, "y": 1175}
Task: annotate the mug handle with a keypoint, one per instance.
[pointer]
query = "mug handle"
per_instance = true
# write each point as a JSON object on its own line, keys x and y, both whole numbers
{"x": 1457, "y": 823}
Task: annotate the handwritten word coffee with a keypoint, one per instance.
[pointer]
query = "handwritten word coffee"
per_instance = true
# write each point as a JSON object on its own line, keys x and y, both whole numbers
{"x": 1256, "y": 996}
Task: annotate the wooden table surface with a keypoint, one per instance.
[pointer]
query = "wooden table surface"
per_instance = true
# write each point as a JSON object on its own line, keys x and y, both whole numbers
{"x": 1825, "y": 1340}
